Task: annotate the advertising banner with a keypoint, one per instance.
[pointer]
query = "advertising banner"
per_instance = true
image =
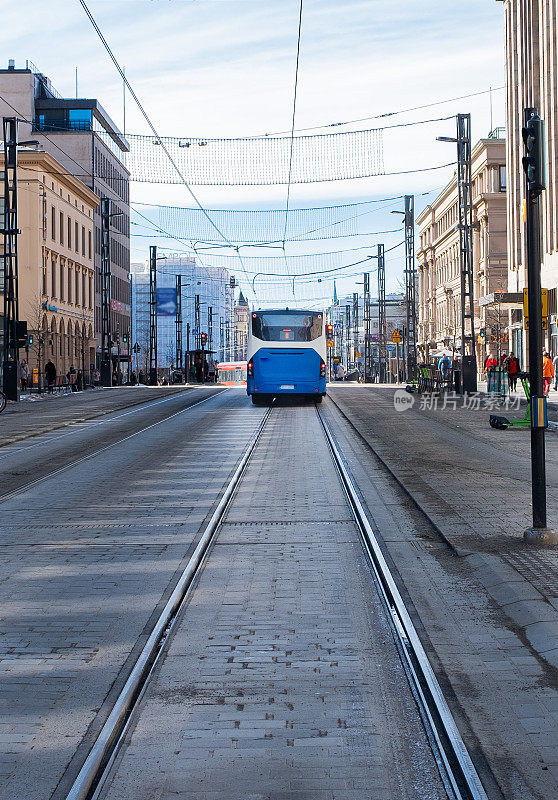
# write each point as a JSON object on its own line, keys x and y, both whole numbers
{"x": 166, "y": 302}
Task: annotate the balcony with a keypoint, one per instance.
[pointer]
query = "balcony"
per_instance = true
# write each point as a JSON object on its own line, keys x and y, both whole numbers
{"x": 55, "y": 126}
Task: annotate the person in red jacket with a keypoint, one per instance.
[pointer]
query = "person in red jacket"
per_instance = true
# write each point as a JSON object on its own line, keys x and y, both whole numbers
{"x": 511, "y": 365}
{"x": 548, "y": 373}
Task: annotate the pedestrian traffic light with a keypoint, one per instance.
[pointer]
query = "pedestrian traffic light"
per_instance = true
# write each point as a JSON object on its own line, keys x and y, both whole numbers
{"x": 329, "y": 330}
{"x": 482, "y": 333}
{"x": 30, "y": 339}
{"x": 203, "y": 339}
{"x": 125, "y": 338}
{"x": 533, "y": 161}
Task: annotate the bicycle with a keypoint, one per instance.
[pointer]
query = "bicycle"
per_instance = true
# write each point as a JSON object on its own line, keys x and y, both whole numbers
{"x": 3, "y": 401}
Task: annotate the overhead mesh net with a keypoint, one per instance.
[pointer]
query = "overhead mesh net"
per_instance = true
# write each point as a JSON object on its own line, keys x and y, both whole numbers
{"x": 256, "y": 160}
{"x": 259, "y": 226}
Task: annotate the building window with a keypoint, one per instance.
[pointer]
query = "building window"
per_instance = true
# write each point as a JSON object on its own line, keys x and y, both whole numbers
{"x": 76, "y": 296}
{"x": 503, "y": 179}
{"x": 61, "y": 228}
{"x": 69, "y": 284}
{"x": 69, "y": 233}
{"x": 83, "y": 289}
{"x": 83, "y": 240}
{"x": 76, "y": 235}
{"x": 53, "y": 223}
{"x": 89, "y": 244}
{"x": 90, "y": 297}
{"x": 53, "y": 278}
{"x": 61, "y": 281}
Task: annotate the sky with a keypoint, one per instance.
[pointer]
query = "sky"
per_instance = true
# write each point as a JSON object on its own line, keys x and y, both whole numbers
{"x": 226, "y": 68}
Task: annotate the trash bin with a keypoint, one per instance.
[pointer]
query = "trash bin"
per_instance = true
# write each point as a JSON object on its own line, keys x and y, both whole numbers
{"x": 457, "y": 381}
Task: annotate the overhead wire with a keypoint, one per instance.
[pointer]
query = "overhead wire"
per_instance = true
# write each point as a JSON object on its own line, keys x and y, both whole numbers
{"x": 150, "y": 124}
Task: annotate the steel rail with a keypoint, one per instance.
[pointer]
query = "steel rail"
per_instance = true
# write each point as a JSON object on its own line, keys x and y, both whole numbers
{"x": 103, "y": 751}
{"x": 89, "y": 456}
{"x": 460, "y": 770}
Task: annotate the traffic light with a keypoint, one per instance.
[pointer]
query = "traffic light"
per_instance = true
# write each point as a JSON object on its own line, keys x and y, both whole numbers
{"x": 533, "y": 161}
{"x": 21, "y": 333}
{"x": 203, "y": 339}
{"x": 125, "y": 338}
{"x": 329, "y": 330}
{"x": 482, "y": 333}
{"x": 30, "y": 339}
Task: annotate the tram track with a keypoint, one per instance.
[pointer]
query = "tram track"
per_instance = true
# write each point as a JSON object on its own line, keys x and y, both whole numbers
{"x": 94, "y": 453}
{"x": 457, "y": 771}
{"x": 96, "y": 766}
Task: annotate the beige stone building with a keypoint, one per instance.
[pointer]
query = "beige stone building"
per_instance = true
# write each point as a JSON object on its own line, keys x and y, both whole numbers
{"x": 532, "y": 67}
{"x": 439, "y": 292}
{"x": 56, "y": 263}
{"x": 241, "y": 321}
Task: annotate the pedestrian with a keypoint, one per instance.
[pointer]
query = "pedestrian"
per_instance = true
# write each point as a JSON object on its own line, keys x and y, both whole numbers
{"x": 133, "y": 378}
{"x": 444, "y": 365}
{"x": 205, "y": 370}
{"x": 50, "y": 375}
{"x": 72, "y": 378}
{"x": 141, "y": 376}
{"x": 555, "y": 365}
{"x": 212, "y": 370}
{"x": 340, "y": 374}
{"x": 548, "y": 373}
{"x": 511, "y": 365}
{"x": 490, "y": 368}
{"x": 96, "y": 377}
{"x": 503, "y": 357}
{"x": 23, "y": 375}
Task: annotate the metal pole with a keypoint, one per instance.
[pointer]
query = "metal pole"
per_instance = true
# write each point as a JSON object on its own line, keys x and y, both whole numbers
{"x": 539, "y": 532}
{"x": 347, "y": 335}
{"x": 153, "y": 315}
{"x": 410, "y": 348}
{"x": 382, "y": 323}
{"x": 468, "y": 360}
{"x": 197, "y": 322}
{"x": 106, "y": 331}
{"x": 367, "y": 330}
{"x": 10, "y": 365}
{"x": 178, "y": 322}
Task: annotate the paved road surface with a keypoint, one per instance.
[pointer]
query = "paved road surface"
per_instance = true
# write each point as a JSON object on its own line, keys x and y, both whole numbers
{"x": 282, "y": 681}
{"x": 87, "y": 558}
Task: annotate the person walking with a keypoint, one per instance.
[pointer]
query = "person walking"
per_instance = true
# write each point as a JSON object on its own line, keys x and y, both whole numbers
{"x": 548, "y": 373}
{"x": 96, "y": 377}
{"x": 23, "y": 375}
{"x": 340, "y": 374}
{"x": 212, "y": 370}
{"x": 511, "y": 365}
{"x": 50, "y": 374}
{"x": 490, "y": 368}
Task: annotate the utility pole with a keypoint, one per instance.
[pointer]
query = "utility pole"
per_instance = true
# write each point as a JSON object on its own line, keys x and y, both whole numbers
{"x": 210, "y": 328}
{"x": 10, "y": 359}
{"x": 197, "y": 322}
{"x": 355, "y": 326}
{"x": 347, "y": 335}
{"x": 464, "y": 185}
{"x": 106, "y": 331}
{"x": 533, "y": 164}
{"x": 153, "y": 315}
{"x": 382, "y": 322}
{"x": 178, "y": 323}
{"x": 367, "y": 331}
{"x": 131, "y": 330}
{"x": 410, "y": 346}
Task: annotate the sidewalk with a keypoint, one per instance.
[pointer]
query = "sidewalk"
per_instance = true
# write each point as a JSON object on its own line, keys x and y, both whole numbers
{"x": 473, "y": 483}
{"x": 36, "y": 414}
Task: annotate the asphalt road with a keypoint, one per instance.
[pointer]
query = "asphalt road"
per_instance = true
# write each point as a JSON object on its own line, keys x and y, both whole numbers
{"x": 88, "y": 555}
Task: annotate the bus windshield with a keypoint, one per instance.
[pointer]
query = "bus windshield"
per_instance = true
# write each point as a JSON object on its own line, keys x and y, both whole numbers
{"x": 287, "y": 326}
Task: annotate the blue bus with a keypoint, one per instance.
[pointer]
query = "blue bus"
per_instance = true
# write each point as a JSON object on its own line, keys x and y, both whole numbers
{"x": 286, "y": 354}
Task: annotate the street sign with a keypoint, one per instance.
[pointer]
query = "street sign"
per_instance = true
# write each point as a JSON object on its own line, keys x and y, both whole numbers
{"x": 137, "y": 348}
{"x": 544, "y": 302}
{"x": 336, "y": 360}
{"x": 396, "y": 336}
{"x": 390, "y": 348}
{"x": 330, "y": 342}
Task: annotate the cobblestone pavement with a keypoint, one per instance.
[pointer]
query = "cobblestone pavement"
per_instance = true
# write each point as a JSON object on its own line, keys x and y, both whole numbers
{"x": 87, "y": 559}
{"x": 282, "y": 680}
{"x": 501, "y": 689}
{"x": 41, "y": 413}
